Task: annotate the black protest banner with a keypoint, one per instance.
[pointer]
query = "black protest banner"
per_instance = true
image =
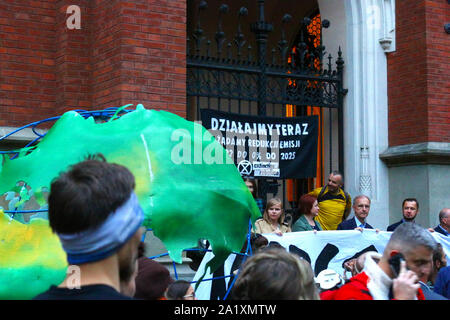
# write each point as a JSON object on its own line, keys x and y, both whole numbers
{"x": 271, "y": 147}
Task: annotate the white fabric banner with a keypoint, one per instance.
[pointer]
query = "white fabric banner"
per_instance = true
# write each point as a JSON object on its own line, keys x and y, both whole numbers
{"x": 324, "y": 250}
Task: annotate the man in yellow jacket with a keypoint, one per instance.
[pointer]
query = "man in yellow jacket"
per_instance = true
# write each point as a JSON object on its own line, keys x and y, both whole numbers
{"x": 334, "y": 203}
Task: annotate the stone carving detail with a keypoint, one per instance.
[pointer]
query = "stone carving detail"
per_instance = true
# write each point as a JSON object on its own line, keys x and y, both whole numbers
{"x": 365, "y": 180}
{"x": 387, "y": 40}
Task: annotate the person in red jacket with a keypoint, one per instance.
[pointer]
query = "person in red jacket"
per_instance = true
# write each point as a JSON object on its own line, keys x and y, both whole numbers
{"x": 381, "y": 280}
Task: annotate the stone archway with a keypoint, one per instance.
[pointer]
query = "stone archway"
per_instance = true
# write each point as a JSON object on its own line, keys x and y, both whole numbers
{"x": 366, "y": 29}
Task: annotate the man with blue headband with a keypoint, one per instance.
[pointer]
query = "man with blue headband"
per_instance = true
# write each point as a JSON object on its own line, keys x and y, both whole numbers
{"x": 94, "y": 211}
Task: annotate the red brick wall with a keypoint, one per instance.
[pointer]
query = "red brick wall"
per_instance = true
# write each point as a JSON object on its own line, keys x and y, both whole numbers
{"x": 125, "y": 52}
{"x": 140, "y": 56}
{"x": 106, "y": 59}
{"x": 73, "y": 58}
{"x": 438, "y": 70}
{"x": 27, "y": 60}
{"x": 418, "y": 74}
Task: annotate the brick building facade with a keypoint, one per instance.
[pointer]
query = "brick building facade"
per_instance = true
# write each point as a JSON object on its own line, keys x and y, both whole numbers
{"x": 134, "y": 51}
{"x": 419, "y": 108}
{"x": 124, "y": 52}
{"x": 419, "y": 74}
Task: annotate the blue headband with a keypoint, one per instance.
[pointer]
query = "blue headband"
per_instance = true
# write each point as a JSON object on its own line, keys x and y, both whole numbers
{"x": 99, "y": 243}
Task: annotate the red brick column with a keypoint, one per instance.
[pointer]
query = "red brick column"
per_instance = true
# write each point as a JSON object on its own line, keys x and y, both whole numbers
{"x": 437, "y": 14}
{"x": 106, "y": 59}
{"x": 72, "y": 58}
{"x": 419, "y": 74}
{"x": 140, "y": 54}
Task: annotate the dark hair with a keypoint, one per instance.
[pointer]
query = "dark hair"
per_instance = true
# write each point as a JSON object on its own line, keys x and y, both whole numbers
{"x": 305, "y": 203}
{"x": 273, "y": 245}
{"x": 85, "y": 195}
{"x": 257, "y": 241}
{"x": 438, "y": 253}
{"x": 141, "y": 249}
{"x": 177, "y": 290}
{"x": 152, "y": 280}
{"x": 410, "y": 200}
{"x": 253, "y": 182}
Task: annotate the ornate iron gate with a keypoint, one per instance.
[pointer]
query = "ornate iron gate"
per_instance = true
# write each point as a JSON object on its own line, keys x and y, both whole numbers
{"x": 235, "y": 77}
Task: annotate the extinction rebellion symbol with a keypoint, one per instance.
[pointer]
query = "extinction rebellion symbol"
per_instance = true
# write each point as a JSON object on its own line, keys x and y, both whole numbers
{"x": 245, "y": 167}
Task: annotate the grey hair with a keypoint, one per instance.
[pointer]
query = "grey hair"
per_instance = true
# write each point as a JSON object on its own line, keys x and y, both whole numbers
{"x": 408, "y": 236}
{"x": 359, "y": 197}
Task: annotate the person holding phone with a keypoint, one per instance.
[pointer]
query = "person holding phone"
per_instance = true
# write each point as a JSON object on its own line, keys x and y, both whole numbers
{"x": 407, "y": 257}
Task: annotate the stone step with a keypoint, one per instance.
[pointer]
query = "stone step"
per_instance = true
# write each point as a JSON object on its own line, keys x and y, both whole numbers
{"x": 154, "y": 247}
{"x": 183, "y": 271}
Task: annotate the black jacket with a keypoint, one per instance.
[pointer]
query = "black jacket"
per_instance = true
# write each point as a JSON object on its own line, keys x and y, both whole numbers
{"x": 392, "y": 227}
{"x": 350, "y": 224}
{"x": 437, "y": 229}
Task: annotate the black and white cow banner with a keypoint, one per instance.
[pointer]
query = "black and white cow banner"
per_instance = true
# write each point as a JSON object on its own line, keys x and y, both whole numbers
{"x": 324, "y": 250}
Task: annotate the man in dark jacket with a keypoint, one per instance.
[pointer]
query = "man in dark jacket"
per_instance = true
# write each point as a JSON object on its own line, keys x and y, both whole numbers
{"x": 410, "y": 209}
{"x": 444, "y": 222}
{"x": 361, "y": 207}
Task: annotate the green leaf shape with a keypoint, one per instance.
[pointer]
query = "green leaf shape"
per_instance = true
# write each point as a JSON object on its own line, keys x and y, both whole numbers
{"x": 186, "y": 183}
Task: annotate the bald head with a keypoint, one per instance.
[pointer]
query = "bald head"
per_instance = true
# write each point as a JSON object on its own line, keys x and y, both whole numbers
{"x": 335, "y": 181}
{"x": 444, "y": 219}
{"x": 444, "y": 213}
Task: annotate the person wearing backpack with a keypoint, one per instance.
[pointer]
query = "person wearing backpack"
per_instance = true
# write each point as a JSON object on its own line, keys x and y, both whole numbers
{"x": 334, "y": 203}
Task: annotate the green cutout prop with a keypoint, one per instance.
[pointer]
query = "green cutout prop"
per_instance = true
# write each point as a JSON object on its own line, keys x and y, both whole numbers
{"x": 187, "y": 185}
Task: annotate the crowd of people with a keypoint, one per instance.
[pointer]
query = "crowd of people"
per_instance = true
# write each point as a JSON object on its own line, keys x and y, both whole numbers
{"x": 94, "y": 211}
